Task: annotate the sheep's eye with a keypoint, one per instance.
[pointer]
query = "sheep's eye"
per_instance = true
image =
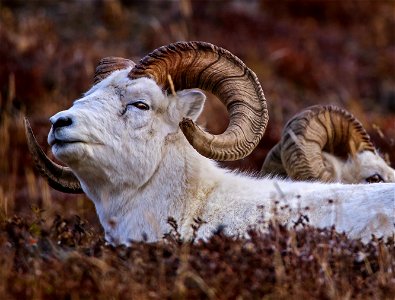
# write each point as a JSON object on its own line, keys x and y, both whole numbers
{"x": 140, "y": 105}
{"x": 375, "y": 178}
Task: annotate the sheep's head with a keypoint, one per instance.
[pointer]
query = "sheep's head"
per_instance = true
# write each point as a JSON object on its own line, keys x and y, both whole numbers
{"x": 133, "y": 105}
{"x": 366, "y": 167}
{"x": 327, "y": 143}
{"x": 122, "y": 120}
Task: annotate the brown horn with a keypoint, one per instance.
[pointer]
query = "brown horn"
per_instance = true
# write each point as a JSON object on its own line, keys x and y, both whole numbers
{"x": 273, "y": 165}
{"x": 59, "y": 177}
{"x": 320, "y": 128}
{"x": 110, "y": 64}
{"x": 210, "y": 68}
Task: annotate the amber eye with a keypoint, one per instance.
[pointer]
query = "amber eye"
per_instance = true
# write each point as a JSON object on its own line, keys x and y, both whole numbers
{"x": 374, "y": 179}
{"x": 140, "y": 105}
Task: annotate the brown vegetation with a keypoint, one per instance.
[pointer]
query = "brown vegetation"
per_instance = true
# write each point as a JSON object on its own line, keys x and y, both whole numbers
{"x": 68, "y": 260}
{"x": 304, "y": 53}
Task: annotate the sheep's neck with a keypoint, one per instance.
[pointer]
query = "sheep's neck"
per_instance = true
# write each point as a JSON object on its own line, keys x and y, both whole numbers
{"x": 142, "y": 213}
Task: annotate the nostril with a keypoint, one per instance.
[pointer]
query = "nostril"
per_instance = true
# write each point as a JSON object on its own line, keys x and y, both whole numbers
{"x": 62, "y": 122}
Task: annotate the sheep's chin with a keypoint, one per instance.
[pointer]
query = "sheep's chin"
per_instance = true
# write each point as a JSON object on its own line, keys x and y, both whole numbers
{"x": 69, "y": 152}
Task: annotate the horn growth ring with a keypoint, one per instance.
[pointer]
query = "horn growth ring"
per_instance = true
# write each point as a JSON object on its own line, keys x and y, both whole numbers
{"x": 216, "y": 70}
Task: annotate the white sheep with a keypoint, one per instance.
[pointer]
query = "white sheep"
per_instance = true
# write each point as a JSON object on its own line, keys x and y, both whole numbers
{"x": 124, "y": 148}
{"x": 329, "y": 144}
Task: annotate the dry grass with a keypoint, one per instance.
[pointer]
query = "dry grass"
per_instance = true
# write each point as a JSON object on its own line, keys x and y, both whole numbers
{"x": 68, "y": 259}
{"x": 309, "y": 54}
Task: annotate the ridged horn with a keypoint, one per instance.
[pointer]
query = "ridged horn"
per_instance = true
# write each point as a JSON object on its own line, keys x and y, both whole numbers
{"x": 320, "y": 128}
{"x": 107, "y": 65}
{"x": 216, "y": 70}
{"x": 59, "y": 177}
{"x": 273, "y": 164}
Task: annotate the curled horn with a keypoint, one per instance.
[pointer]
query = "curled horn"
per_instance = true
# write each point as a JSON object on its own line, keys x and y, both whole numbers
{"x": 320, "y": 128}
{"x": 216, "y": 70}
{"x": 273, "y": 164}
{"x": 110, "y": 64}
{"x": 59, "y": 177}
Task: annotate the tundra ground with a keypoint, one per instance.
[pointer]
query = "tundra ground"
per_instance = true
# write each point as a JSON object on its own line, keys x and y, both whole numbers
{"x": 304, "y": 53}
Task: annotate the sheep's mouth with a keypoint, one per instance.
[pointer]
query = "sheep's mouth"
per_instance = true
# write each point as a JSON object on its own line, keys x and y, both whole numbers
{"x": 62, "y": 143}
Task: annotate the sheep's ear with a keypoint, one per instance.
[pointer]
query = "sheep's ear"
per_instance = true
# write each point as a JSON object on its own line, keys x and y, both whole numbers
{"x": 191, "y": 103}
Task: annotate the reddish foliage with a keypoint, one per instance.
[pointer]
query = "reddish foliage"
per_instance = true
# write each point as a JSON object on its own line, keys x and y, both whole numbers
{"x": 304, "y": 52}
{"x": 68, "y": 259}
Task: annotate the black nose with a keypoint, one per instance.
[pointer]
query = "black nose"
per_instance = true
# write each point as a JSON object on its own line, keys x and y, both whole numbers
{"x": 62, "y": 122}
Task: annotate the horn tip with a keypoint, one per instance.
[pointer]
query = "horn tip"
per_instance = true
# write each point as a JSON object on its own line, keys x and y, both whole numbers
{"x": 26, "y": 121}
{"x": 28, "y": 128}
{"x": 188, "y": 127}
{"x": 187, "y": 123}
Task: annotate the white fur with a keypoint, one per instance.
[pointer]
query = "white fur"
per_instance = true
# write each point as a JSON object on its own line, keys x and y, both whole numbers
{"x": 139, "y": 169}
{"x": 359, "y": 168}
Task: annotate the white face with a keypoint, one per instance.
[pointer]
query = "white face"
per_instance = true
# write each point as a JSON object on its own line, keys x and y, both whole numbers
{"x": 117, "y": 131}
{"x": 373, "y": 168}
{"x": 367, "y": 167}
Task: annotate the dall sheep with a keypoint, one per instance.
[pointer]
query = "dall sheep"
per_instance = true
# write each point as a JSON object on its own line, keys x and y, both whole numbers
{"x": 329, "y": 144}
{"x": 135, "y": 150}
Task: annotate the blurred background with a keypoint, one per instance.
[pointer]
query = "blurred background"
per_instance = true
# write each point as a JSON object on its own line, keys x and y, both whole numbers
{"x": 303, "y": 52}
